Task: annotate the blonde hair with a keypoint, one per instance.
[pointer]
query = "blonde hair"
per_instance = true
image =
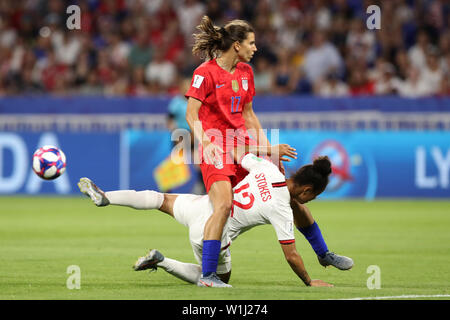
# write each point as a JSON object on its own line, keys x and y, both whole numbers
{"x": 212, "y": 40}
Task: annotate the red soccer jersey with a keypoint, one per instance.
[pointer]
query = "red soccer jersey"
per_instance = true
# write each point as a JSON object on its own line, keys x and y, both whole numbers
{"x": 223, "y": 96}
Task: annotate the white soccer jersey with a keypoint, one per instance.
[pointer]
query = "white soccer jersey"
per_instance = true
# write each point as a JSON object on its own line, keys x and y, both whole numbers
{"x": 261, "y": 198}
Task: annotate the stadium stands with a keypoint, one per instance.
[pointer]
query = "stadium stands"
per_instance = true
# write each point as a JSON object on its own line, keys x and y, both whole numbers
{"x": 140, "y": 48}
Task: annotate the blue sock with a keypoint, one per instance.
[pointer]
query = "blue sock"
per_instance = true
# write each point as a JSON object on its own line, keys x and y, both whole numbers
{"x": 314, "y": 236}
{"x": 210, "y": 256}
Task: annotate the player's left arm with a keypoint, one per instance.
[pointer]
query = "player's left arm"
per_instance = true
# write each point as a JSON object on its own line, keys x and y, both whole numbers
{"x": 302, "y": 215}
{"x": 254, "y": 126}
{"x": 251, "y": 120}
{"x": 279, "y": 149}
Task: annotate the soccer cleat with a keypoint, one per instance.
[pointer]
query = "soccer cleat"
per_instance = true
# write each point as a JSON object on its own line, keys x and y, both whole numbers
{"x": 332, "y": 259}
{"x": 212, "y": 281}
{"x": 92, "y": 191}
{"x": 149, "y": 261}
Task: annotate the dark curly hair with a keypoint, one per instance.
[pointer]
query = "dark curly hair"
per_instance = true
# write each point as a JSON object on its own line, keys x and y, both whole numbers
{"x": 315, "y": 174}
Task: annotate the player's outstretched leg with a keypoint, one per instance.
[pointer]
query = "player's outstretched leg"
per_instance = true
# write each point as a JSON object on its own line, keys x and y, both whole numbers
{"x": 140, "y": 200}
{"x": 332, "y": 259}
{"x": 92, "y": 191}
{"x": 188, "y": 272}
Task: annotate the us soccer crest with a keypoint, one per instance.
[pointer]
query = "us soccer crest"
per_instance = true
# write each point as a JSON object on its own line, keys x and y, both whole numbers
{"x": 245, "y": 84}
{"x": 235, "y": 85}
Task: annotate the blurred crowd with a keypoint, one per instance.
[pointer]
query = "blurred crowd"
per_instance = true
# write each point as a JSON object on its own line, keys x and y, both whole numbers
{"x": 143, "y": 47}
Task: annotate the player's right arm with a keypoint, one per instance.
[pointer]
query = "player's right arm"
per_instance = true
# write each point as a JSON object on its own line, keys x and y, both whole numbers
{"x": 201, "y": 87}
{"x": 296, "y": 263}
{"x": 210, "y": 150}
{"x": 193, "y": 107}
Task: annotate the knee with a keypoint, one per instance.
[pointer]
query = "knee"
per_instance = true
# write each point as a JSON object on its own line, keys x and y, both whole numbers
{"x": 221, "y": 197}
{"x": 224, "y": 207}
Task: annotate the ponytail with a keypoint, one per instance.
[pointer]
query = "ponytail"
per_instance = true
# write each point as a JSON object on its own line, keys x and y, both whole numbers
{"x": 211, "y": 40}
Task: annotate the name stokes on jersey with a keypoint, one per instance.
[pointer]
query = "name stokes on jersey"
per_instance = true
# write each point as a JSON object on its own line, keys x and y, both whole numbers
{"x": 264, "y": 191}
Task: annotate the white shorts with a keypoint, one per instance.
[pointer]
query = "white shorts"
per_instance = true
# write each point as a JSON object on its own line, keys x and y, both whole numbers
{"x": 193, "y": 211}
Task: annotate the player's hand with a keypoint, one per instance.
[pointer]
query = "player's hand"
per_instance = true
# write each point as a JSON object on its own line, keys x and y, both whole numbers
{"x": 212, "y": 153}
{"x": 283, "y": 151}
{"x": 281, "y": 167}
{"x": 320, "y": 283}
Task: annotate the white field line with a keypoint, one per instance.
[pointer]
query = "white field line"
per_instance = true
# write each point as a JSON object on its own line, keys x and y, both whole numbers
{"x": 399, "y": 297}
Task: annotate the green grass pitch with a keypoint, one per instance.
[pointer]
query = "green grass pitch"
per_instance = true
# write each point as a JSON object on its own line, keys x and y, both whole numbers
{"x": 41, "y": 237}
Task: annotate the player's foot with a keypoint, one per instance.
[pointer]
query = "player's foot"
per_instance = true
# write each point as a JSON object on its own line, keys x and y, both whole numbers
{"x": 212, "y": 281}
{"x": 149, "y": 261}
{"x": 92, "y": 191}
{"x": 332, "y": 259}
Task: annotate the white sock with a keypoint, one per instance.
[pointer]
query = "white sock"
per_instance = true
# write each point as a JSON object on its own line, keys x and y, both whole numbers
{"x": 185, "y": 271}
{"x": 147, "y": 199}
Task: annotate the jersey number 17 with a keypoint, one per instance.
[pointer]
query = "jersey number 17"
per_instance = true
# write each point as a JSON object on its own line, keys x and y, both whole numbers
{"x": 235, "y": 101}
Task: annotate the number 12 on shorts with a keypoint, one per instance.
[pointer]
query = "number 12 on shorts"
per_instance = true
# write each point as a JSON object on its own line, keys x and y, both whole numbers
{"x": 235, "y": 101}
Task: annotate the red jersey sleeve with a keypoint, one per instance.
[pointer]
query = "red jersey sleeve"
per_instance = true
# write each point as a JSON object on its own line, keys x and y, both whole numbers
{"x": 201, "y": 85}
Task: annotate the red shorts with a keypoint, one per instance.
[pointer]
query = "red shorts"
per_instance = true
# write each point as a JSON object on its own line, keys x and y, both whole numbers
{"x": 230, "y": 172}
{"x": 233, "y": 173}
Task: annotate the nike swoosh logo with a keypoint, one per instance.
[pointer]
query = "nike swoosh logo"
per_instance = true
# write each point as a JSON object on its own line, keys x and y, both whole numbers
{"x": 206, "y": 284}
{"x": 219, "y": 86}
